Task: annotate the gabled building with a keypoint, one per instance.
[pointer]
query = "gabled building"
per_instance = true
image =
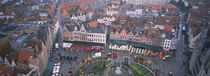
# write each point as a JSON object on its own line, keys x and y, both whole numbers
{"x": 106, "y": 20}
{"x": 85, "y": 33}
{"x": 123, "y": 34}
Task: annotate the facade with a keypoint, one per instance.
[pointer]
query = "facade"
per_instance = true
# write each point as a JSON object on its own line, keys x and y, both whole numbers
{"x": 149, "y": 36}
{"x": 84, "y": 33}
{"x": 192, "y": 40}
{"x": 167, "y": 44}
{"x": 174, "y": 44}
{"x": 130, "y": 36}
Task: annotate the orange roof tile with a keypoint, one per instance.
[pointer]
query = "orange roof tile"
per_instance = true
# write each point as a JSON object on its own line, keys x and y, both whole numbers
{"x": 93, "y": 24}
{"x": 168, "y": 27}
{"x": 4, "y": 70}
{"x": 120, "y": 26}
{"x": 8, "y": 11}
{"x": 50, "y": 11}
{"x": 64, "y": 13}
{"x": 65, "y": 5}
{"x": 172, "y": 19}
{"x": 159, "y": 6}
{"x": 123, "y": 17}
{"x": 146, "y": 27}
{"x": 24, "y": 56}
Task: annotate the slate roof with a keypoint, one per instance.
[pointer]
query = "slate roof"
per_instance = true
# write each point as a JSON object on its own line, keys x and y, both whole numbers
{"x": 42, "y": 34}
{"x": 95, "y": 30}
{"x": 72, "y": 27}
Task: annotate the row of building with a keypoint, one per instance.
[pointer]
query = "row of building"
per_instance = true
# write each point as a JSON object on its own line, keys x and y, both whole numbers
{"x": 198, "y": 32}
{"x": 27, "y": 34}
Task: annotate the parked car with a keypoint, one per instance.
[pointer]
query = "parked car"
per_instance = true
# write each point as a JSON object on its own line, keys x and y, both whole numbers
{"x": 166, "y": 57}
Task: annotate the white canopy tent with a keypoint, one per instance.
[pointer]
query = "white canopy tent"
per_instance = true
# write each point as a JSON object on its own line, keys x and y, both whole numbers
{"x": 65, "y": 45}
{"x": 97, "y": 55}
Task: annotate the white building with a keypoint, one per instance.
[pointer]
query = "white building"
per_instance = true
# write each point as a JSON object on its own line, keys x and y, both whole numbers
{"x": 111, "y": 12}
{"x": 106, "y": 19}
{"x": 81, "y": 17}
{"x": 86, "y": 34}
{"x": 96, "y": 37}
{"x": 167, "y": 44}
{"x": 134, "y": 12}
{"x": 90, "y": 15}
{"x": 6, "y": 16}
{"x": 43, "y": 14}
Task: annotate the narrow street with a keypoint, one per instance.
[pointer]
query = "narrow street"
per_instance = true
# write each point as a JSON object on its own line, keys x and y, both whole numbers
{"x": 176, "y": 64}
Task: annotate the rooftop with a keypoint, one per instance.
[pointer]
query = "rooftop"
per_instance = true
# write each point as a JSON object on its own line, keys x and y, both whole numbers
{"x": 5, "y": 70}
{"x": 23, "y": 57}
{"x": 22, "y": 38}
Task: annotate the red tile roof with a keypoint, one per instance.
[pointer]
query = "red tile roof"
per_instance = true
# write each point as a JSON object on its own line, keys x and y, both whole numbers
{"x": 50, "y": 11}
{"x": 159, "y": 6}
{"x": 168, "y": 27}
{"x": 4, "y": 70}
{"x": 24, "y": 56}
{"x": 8, "y": 11}
{"x": 64, "y": 13}
{"x": 65, "y": 5}
{"x": 123, "y": 17}
{"x": 93, "y": 24}
{"x": 172, "y": 19}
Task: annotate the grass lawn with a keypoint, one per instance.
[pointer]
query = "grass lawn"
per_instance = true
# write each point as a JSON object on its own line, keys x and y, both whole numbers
{"x": 125, "y": 72}
{"x": 139, "y": 71}
{"x": 111, "y": 72}
{"x": 97, "y": 67}
{"x": 91, "y": 74}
